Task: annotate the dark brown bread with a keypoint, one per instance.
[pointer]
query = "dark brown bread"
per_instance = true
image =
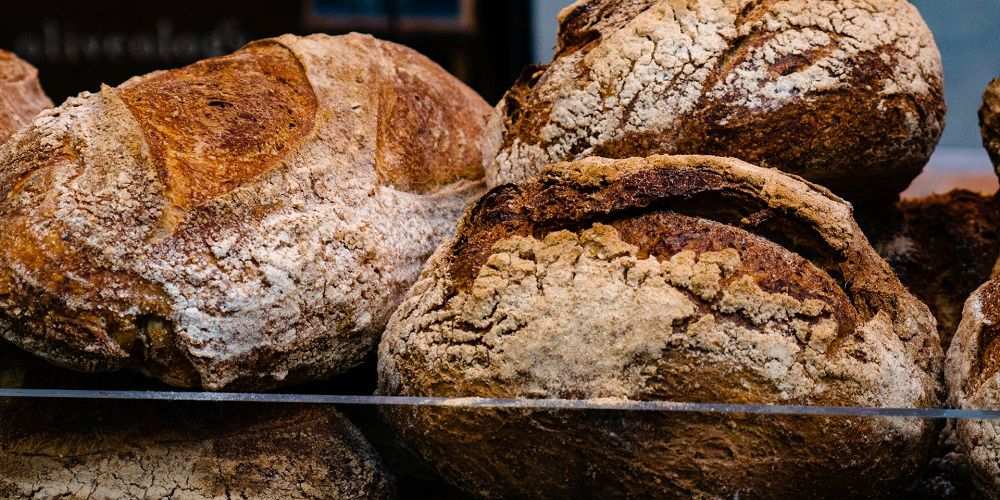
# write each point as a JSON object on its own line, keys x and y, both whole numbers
{"x": 845, "y": 93}
{"x": 989, "y": 121}
{"x": 942, "y": 247}
{"x": 243, "y": 222}
{"x": 678, "y": 278}
{"x": 21, "y": 96}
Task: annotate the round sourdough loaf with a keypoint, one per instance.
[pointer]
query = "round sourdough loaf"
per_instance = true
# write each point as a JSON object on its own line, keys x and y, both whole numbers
{"x": 244, "y": 222}
{"x": 846, "y": 93}
{"x": 21, "y": 96}
{"x": 973, "y": 376}
{"x": 989, "y": 121}
{"x": 679, "y": 278}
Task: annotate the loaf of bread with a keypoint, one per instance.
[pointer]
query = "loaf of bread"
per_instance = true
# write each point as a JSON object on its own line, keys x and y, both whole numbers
{"x": 989, "y": 121}
{"x": 846, "y": 93}
{"x": 973, "y": 376}
{"x": 677, "y": 278}
{"x": 21, "y": 96}
{"x": 942, "y": 247}
{"x": 244, "y": 222}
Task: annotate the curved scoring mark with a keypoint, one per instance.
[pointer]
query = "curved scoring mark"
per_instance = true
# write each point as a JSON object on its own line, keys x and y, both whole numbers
{"x": 217, "y": 124}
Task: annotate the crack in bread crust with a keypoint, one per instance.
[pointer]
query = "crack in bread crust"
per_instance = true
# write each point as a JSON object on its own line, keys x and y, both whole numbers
{"x": 769, "y": 82}
{"x": 223, "y": 234}
{"x": 657, "y": 279}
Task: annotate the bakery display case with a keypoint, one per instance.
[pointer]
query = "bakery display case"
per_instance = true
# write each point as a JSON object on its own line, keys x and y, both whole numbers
{"x": 689, "y": 257}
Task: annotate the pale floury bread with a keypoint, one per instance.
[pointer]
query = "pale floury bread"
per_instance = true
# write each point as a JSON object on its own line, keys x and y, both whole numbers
{"x": 677, "y": 278}
{"x": 846, "y": 93}
{"x": 973, "y": 376}
{"x": 21, "y": 96}
{"x": 243, "y": 222}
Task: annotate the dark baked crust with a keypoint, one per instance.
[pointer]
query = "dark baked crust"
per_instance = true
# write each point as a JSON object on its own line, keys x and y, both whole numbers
{"x": 942, "y": 247}
{"x": 548, "y": 283}
{"x": 865, "y": 138}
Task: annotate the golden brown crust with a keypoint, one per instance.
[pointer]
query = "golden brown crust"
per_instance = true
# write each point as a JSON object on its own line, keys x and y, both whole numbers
{"x": 21, "y": 96}
{"x": 219, "y": 123}
{"x": 676, "y": 278}
{"x": 846, "y": 94}
{"x": 420, "y": 122}
{"x": 243, "y": 222}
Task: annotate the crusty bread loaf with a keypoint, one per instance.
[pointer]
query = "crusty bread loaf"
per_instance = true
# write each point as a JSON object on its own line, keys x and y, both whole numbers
{"x": 989, "y": 121}
{"x": 21, "y": 96}
{"x": 679, "y": 278}
{"x": 846, "y": 93}
{"x": 942, "y": 247}
{"x": 973, "y": 376}
{"x": 243, "y": 222}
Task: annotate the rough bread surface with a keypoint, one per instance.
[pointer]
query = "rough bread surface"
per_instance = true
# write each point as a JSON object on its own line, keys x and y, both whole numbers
{"x": 681, "y": 278}
{"x": 845, "y": 93}
{"x": 21, "y": 96}
{"x": 973, "y": 377}
{"x": 942, "y": 247}
{"x": 989, "y": 121}
{"x": 244, "y": 222}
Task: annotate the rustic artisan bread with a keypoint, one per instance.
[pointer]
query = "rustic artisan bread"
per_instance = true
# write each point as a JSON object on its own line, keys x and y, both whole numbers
{"x": 21, "y": 96}
{"x": 243, "y": 222}
{"x": 973, "y": 376}
{"x": 684, "y": 278}
{"x": 845, "y": 93}
{"x": 989, "y": 121}
{"x": 942, "y": 247}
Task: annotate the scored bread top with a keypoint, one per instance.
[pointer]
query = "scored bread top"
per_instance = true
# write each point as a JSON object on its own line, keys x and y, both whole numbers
{"x": 845, "y": 93}
{"x": 248, "y": 220}
{"x": 714, "y": 244}
{"x": 21, "y": 96}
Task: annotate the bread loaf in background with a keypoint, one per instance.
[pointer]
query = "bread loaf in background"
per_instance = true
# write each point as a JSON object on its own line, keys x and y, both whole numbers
{"x": 21, "y": 96}
{"x": 989, "y": 121}
{"x": 942, "y": 247}
{"x": 244, "y": 222}
{"x": 668, "y": 278}
{"x": 845, "y": 93}
{"x": 973, "y": 377}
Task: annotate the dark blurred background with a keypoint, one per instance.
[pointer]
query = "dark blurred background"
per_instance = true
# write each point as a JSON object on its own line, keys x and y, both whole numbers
{"x": 79, "y": 45}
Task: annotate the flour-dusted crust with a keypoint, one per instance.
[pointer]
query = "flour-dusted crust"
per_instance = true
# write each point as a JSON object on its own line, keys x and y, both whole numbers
{"x": 21, "y": 96}
{"x": 845, "y": 93}
{"x": 683, "y": 278}
{"x": 973, "y": 375}
{"x": 989, "y": 121}
{"x": 184, "y": 451}
{"x": 243, "y": 222}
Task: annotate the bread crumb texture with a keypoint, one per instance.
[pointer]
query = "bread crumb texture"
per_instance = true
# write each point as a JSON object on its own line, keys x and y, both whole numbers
{"x": 21, "y": 96}
{"x": 839, "y": 92}
{"x": 635, "y": 279}
{"x": 973, "y": 376}
{"x": 244, "y": 222}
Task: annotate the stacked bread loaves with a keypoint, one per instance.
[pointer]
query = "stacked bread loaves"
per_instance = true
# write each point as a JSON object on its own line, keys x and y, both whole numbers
{"x": 243, "y": 222}
{"x": 679, "y": 278}
{"x": 847, "y": 94}
{"x": 21, "y": 96}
